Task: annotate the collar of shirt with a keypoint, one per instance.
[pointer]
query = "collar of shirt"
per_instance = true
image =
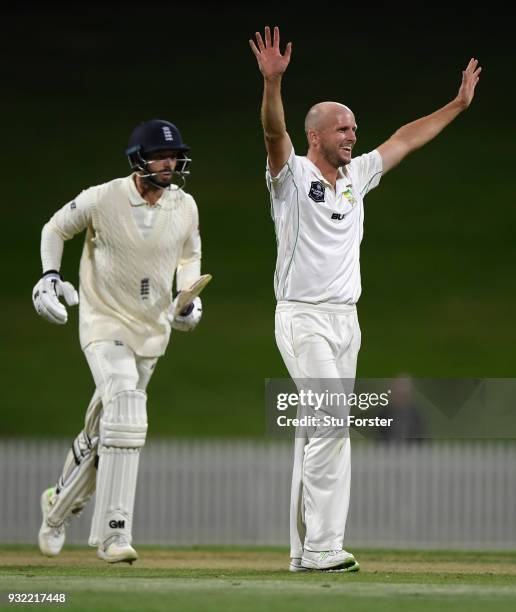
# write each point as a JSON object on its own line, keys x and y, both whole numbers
{"x": 135, "y": 199}
{"x": 341, "y": 175}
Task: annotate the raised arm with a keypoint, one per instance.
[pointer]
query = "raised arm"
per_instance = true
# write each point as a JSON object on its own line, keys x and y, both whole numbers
{"x": 414, "y": 135}
{"x": 272, "y": 65}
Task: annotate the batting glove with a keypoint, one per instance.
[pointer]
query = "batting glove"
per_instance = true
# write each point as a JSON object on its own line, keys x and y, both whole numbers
{"x": 46, "y": 294}
{"x": 189, "y": 317}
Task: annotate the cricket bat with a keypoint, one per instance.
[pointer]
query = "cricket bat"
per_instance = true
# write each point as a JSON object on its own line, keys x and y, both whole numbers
{"x": 188, "y": 295}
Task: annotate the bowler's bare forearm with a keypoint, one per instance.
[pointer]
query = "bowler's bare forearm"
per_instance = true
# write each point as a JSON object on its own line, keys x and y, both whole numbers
{"x": 419, "y": 132}
{"x": 277, "y": 140}
{"x": 273, "y": 114}
{"x": 272, "y": 64}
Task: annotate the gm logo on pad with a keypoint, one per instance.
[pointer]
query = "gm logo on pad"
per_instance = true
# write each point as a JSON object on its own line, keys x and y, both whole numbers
{"x": 117, "y": 524}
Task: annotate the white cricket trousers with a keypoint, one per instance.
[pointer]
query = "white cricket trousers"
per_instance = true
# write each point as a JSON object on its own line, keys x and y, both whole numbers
{"x": 319, "y": 341}
{"x": 115, "y": 367}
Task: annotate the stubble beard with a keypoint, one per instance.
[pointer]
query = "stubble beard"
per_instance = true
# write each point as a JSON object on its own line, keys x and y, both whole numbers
{"x": 149, "y": 187}
{"x": 332, "y": 157}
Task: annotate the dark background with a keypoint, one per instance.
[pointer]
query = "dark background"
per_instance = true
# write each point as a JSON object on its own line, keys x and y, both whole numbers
{"x": 439, "y": 250}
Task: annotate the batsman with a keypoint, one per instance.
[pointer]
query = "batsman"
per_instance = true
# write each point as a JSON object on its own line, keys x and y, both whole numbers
{"x": 140, "y": 231}
{"x": 317, "y": 204}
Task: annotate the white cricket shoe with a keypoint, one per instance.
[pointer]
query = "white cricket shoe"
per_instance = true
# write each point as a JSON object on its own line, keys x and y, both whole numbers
{"x": 330, "y": 560}
{"x": 51, "y": 538}
{"x": 295, "y": 565}
{"x": 117, "y": 549}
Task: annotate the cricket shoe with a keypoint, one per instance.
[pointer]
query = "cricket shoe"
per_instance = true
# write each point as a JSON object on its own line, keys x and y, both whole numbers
{"x": 295, "y": 565}
{"x": 330, "y": 561}
{"x": 117, "y": 549}
{"x": 51, "y": 537}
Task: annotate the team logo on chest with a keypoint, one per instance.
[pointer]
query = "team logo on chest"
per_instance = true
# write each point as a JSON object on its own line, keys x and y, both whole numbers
{"x": 316, "y": 192}
{"x": 348, "y": 194}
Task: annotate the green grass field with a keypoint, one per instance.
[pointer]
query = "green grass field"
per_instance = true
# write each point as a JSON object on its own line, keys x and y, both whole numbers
{"x": 236, "y": 579}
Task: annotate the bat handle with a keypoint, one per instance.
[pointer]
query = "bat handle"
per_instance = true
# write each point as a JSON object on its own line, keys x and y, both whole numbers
{"x": 187, "y": 310}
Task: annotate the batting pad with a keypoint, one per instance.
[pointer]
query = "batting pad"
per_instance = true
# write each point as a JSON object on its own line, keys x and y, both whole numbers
{"x": 124, "y": 421}
{"x": 77, "y": 483}
{"x": 123, "y": 429}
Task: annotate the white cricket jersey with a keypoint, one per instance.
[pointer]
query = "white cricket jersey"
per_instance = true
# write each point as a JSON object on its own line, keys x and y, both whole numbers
{"x": 319, "y": 230}
{"x": 126, "y": 274}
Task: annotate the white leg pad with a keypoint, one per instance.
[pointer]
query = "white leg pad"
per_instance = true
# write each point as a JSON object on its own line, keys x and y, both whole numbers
{"x": 76, "y": 484}
{"x": 123, "y": 428}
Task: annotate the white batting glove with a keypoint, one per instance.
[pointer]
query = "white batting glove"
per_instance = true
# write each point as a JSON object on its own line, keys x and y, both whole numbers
{"x": 189, "y": 317}
{"x": 46, "y": 294}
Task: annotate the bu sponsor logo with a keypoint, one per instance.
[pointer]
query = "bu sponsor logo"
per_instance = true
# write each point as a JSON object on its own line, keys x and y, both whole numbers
{"x": 116, "y": 524}
{"x": 316, "y": 192}
{"x": 338, "y": 217}
{"x": 167, "y": 133}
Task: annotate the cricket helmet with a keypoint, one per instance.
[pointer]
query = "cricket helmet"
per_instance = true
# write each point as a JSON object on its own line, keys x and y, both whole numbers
{"x": 150, "y": 137}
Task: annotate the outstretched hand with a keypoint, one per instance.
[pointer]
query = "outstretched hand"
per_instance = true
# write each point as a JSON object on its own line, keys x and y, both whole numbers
{"x": 470, "y": 78}
{"x": 270, "y": 61}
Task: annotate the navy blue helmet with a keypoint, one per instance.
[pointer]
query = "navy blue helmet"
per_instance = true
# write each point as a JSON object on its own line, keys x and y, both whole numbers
{"x": 150, "y": 137}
